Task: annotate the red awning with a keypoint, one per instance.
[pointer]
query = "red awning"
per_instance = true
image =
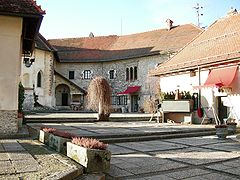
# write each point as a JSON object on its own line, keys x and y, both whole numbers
{"x": 130, "y": 89}
{"x": 222, "y": 77}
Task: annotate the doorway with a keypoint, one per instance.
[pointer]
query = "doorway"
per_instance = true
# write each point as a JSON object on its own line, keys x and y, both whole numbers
{"x": 222, "y": 110}
{"x": 134, "y": 103}
{"x": 64, "y": 99}
{"x": 63, "y": 95}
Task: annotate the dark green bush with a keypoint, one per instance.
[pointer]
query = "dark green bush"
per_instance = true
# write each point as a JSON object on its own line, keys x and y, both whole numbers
{"x": 21, "y": 97}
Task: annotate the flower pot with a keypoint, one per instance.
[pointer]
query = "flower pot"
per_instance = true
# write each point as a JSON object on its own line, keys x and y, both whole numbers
{"x": 232, "y": 128}
{"x": 58, "y": 143}
{"x": 93, "y": 160}
{"x": 44, "y": 137}
{"x": 221, "y": 131}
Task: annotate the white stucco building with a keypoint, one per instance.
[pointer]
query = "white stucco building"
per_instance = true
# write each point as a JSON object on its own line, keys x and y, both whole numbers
{"x": 19, "y": 23}
{"x": 208, "y": 67}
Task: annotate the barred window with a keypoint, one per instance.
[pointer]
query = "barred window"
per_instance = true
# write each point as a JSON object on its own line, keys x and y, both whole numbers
{"x": 87, "y": 74}
{"x": 112, "y": 74}
{"x": 119, "y": 100}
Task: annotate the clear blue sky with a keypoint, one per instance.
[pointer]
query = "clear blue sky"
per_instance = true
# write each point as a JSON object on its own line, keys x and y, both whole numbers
{"x": 77, "y": 18}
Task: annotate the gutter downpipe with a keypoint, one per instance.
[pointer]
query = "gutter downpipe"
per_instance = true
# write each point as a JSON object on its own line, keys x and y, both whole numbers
{"x": 199, "y": 83}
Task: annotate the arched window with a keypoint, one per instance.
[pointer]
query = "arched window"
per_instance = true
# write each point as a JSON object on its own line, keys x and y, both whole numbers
{"x": 127, "y": 74}
{"x": 131, "y": 73}
{"x": 39, "y": 79}
{"x": 135, "y": 73}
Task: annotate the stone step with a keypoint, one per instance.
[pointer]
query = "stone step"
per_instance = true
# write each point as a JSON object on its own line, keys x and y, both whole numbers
{"x": 58, "y": 120}
{"x": 156, "y": 137}
{"x": 145, "y": 134}
{"x": 79, "y": 119}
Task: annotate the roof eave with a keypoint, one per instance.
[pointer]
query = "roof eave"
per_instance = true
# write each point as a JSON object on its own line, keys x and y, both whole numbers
{"x": 105, "y": 60}
{"x": 202, "y": 66}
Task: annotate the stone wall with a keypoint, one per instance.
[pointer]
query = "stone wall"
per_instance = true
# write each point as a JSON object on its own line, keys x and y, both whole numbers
{"x": 119, "y": 84}
{"x": 8, "y": 123}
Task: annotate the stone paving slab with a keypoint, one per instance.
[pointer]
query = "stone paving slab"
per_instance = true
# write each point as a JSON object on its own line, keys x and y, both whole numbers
{"x": 115, "y": 149}
{"x": 11, "y": 145}
{"x": 196, "y": 156}
{"x": 21, "y": 155}
{"x": 142, "y": 164}
{"x": 196, "y": 141}
{"x": 4, "y": 156}
{"x": 25, "y": 166}
{"x": 6, "y": 168}
{"x": 213, "y": 176}
{"x": 187, "y": 173}
{"x": 148, "y": 146}
{"x": 226, "y": 146}
{"x": 27, "y": 159}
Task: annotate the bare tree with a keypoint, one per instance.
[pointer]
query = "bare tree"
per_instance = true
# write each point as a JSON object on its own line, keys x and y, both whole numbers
{"x": 99, "y": 97}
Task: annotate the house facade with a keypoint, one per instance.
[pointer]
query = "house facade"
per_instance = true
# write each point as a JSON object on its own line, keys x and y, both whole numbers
{"x": 123, "y": 60}
{"x": 208, "y": 67}
{"x": 19, "y": 23}
{"x": 38, "y": 79}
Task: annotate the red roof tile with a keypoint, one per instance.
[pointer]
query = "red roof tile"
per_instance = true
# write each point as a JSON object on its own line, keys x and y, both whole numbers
{"x": 219, "y": 43}
{"x": 20, "y": 7}
{"x": 107, "y": 48}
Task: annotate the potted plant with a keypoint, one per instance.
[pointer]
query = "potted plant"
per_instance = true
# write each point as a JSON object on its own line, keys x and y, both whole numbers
{"x": 44, "y": 134}
{"x": 90, "y": 153}
{"x": 58, "y": 140}
{"x": 221, "y": 131}
{"x": 232, "y": 125}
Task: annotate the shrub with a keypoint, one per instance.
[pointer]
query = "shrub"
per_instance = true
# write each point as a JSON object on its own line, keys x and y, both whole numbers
{"x": 221, "y": 126}
{"x": 99, "y": 97}
{"x": 48, "y": 130}
{"x": 20, "y": 97}
{"x": 89, "y": 143}
{"x": 64, "y": 134}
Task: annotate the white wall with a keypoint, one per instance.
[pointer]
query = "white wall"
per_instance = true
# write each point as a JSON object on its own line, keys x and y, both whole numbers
{"x": 10, "y": 59}
{"x": 184, "y": 82}
{"x": 44, "y": 64}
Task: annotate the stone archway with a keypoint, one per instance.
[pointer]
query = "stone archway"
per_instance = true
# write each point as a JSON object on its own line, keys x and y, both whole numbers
{"x": 62, "y": 95}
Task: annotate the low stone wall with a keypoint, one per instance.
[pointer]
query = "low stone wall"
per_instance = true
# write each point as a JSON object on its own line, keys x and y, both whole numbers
{"x": 8, "y": 123}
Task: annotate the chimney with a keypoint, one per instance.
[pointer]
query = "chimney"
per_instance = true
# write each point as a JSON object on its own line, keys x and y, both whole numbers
{"x": 169, "y": 24}
{"x": 232, "y": 12}
{"x": 91, "y": 35}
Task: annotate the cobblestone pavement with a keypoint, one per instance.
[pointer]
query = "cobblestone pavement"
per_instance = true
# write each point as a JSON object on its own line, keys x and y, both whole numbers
{"x": 196, "y": 158}
{"x": 28, "y": 159}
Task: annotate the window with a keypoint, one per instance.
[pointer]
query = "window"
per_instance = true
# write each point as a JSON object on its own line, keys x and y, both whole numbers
{"x": 135, "y": 73}
{"x": 112, "y": 74}
{"x": 39, "y": 79}
{"x": 127, "y": 74}
{"x": 131, "y": 73}
{"x": 119, "y": 100}
{"x": 71, "y": 75}
{"x": 114, "y": 100}
{"x": 87, "y": 74}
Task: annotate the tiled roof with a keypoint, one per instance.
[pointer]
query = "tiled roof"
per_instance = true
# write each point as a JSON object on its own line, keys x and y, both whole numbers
{"x": 108, "y": 48}
{"x": 20, "y": 7}
{"x": 42, "y": 43}
{"x": 218, "y": 44}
